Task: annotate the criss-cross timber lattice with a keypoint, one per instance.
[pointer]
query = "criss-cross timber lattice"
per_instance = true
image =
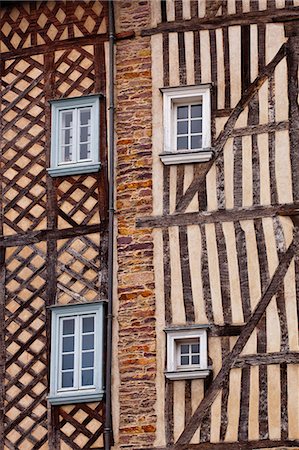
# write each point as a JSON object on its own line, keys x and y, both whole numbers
{"x": 18, "y": 25}
{"x": 26, "y": 364}
{"x": 24, "y": 190}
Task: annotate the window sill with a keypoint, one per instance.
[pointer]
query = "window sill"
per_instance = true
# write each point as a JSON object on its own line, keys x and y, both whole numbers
{"x": 188, "y": 374}
{"x": 73, "y": 170}
{"x": 188, "y": 157}
{"x": 66, "y": 399}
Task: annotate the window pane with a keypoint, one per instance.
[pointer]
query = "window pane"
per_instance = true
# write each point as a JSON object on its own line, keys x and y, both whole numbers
{"x": 182, "y": 127}
{"x": 68, "y": 326}
{"x": 68, "y": 344}
{"x": 84, "y": 151}
{"x": 88, "y": 342}
{"x": 67, "y": 119}
{"x": 195, "y": 359}
{"x": 67, "y": 379}
{"x": 196, "y": 126}
{"x": 184, "y": 360}
{"x": 196, "y": 111}
{"x": 88, "y": 324}
{"x": 84, "y": 134}
{"x": 196, "y": 141}
{"x": 182, "y": 112}
{"x": 67, "y": 136}
{"x": 182, "y": 143}
{"x": 88, "y": 359}
{"x": 85, "y": 116}
{"x": 184, "y": 348}
{"x": 87, "y": 377}
{"x": 68, "y": 361}
{"x": 195, "y": 348}
{"x": 67, "y": 153}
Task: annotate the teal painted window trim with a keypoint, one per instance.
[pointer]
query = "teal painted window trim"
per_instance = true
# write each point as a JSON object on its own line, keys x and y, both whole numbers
{"x": 75, "y": 313}
{"x": 76, "y": 166}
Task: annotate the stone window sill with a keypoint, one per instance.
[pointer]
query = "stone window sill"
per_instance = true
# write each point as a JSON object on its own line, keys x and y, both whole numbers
{"x": 188, "y": 374}
{"x": 187, "y": 157}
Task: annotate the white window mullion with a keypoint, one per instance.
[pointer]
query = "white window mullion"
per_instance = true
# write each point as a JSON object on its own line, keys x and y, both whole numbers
{"x": 77, "y": 352}
{"x": 59, "y": 381}
{"x": 76, "y": 139}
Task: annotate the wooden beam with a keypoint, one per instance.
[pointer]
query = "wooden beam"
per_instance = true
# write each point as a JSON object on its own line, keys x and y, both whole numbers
{"x": 33, "y": 237}
{"x": 210, "y": 23}
{"x": 229, "y": 361}
{"x": 221, "y": 215}
{"x": 267, "y": 358}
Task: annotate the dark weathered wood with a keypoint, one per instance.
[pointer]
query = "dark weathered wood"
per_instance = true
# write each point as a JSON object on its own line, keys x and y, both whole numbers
{"x": 284, "y": 400}
{"x": 163, "y": 11}
{"x": 256, "y": 316}
{"x": 225, "y": 348}
{"x": 224, "y": 274}
{"x": 243, "y": 270}
{"x": 238, "y": 172}
{"x": 167, "y": 277}
{"x": 186, "y": 275}
{"x": 208, "y": 23}
{"x": 229, "y": 215}
{"x": 165, "y": 59}
{"x": 245, "y": 56}
{"x": 169, "y": 426}
{"x": 228, "y": 127}
{"x": 205, "y": 276}
{"x": 178, "y": 9}
{"x": 197, "y": 58}
{"x": 264, "y": 359}
{"x": 259, "y": 129}
{"x": 227, "y": 98}
{"x": 182, "y": 58}
{"x": 244, "y": 405}
{"x": 2, "y": 344}
{"x": 166, "y": 180}
{"x": 188, "y": 398}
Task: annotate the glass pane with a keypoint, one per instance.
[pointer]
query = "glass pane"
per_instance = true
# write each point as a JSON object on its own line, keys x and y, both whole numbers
{"x": 196, "y": 126}
{"x": 184, "y": 348}
{"x": 68, "y": 361}
{"x": 182, "y": 143}
{"x": 182, "y": 112}
{"x": 195, "y": 359}
{"x": 196, "y": 141}
{"x": 184, "y": 360}
{"x": 68, "y": 326}
{"x": 182, "y": 127}
{"x": 67, "y": 379}
{"x": 67, "y": 136}
{"x": 84, "y": 151}
{"x": 88, "y": 342}
{"x": 85, "y": 116}
{"x": 67, "y": 119}
{"x": 84, "y": 134}
{"x": 88, "y": 359}
{"x": 68, "y": 344}
{"x": 196, "y": 111}
{"x": 87, "y": 377}
{"x": 88, "y": 324}
{"x": 195, "y": 348}
{"x": 67, "y": 153}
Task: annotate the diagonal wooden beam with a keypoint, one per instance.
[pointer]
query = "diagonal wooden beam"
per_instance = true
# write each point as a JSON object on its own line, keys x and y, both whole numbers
{"x": 230, "y": 360}
{"x": 228, "y": 127}
{"x": 213, "y": 7}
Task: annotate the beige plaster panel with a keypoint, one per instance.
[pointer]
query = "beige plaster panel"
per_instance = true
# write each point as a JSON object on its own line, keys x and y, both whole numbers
{"x": 228, "y": 157}
{"x": 174, "y": 77}
{"x": 281, "y": 94}
{"x": 189, "y": 44}
{"x": 205, "y": 58}
{"x": 293, "y": 401}
{"x": 197, "y": 394}
{"x": 274, "y": 410}
{"x": 233, "y": 409}
{"x": 275, "y": 37}
{"x": 253, "y": 416}
{"x": 188, "y": 178}
{"x": 247, "y": 191}
{"x": 235, "y": 63}
{"x": 265, "y": 193}
{"x": 220, "y": 69}
{"x": 263, "y": 103}
{"x": 254, "y": 52}
{"x": 212, "y": 204}
{"x": 178, "y": 408}
{"x": 283, "y": 167}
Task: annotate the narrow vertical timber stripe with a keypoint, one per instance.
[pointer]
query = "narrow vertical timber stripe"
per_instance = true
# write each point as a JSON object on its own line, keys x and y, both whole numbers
{"x": 167, "y": 277}
{"x": 220, "y": 182}
{"x": 244, "y": 405}
{"x": 202, "y": 191}
{"x": 205, "y": 429}
{"x": 292, "y": 67}
{"x": 188, "y": 405}
{"x": 166, "y": 59}
{"x": 224, "y": 7}
{"x": 262, "y": 332}
{"x": 254, "y": 5}
{"x": 245, "y": 56}
{"x": 225, "y": 348}
{"x": 163, "y": 11}
{"x": 186, "y": 275}
{"x": 194, "y": 8}
{"x": 239, "y": 8}
{"x": 205, "y": 276}
{"x": 224, "y": 275}
{"x": 238, "y": 164}
{"x": 227, "y": 95}
{"x": 166, "y": 178}
{"x": 182, "y": 59}
{"x": 271, "y": 141}
{"x": 261, "y": 29}
{"x": 271, "y": 4}
{"x": 178, "y": 5}
{"x": 197, "y": 65}
{"x": 253, "y": 119}
{"x": 180, "y": 170}
{"x": 284, "y": 400}
{"x": 169, "y": 436}
{"x": 243, "y": 270}
{"x": 297, "y": 283}
{"x": 271, "y": 99}
{"x": 213, "y": 54}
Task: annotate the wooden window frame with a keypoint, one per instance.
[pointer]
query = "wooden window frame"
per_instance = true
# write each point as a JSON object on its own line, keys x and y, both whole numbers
{"x": 77, "y": 393}
{"x": 178, "y": 335}
{"x": 77, "y": 166}
{"x": 188, "y": 95}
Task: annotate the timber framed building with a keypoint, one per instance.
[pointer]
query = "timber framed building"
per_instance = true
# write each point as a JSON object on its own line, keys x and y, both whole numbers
{"x": 189, "y": 110}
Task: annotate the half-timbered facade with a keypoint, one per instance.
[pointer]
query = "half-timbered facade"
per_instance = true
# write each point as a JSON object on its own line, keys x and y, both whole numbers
{"x": 205, "y": 349}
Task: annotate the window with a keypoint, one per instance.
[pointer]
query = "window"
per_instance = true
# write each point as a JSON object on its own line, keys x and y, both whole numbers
{"x": 187, "y": 353}
{"x": 75, "y": 136}
{"x": 187, "y": 125}
{"x": 76, "y": 353}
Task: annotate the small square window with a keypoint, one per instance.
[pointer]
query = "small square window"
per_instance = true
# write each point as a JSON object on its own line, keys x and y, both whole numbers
{"x": 76, "y": 353}
{"x": 187, "y": 125}
{"x": 75, "y": 136}
{"x": 187, "y": 353}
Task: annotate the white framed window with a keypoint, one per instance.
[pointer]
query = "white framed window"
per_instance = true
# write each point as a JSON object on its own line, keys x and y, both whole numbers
{"x": 187, "y": 124}
{"x": 76, "y": 373}
{"x": 187, "y": 355}
{"x": 75, "y": 136}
